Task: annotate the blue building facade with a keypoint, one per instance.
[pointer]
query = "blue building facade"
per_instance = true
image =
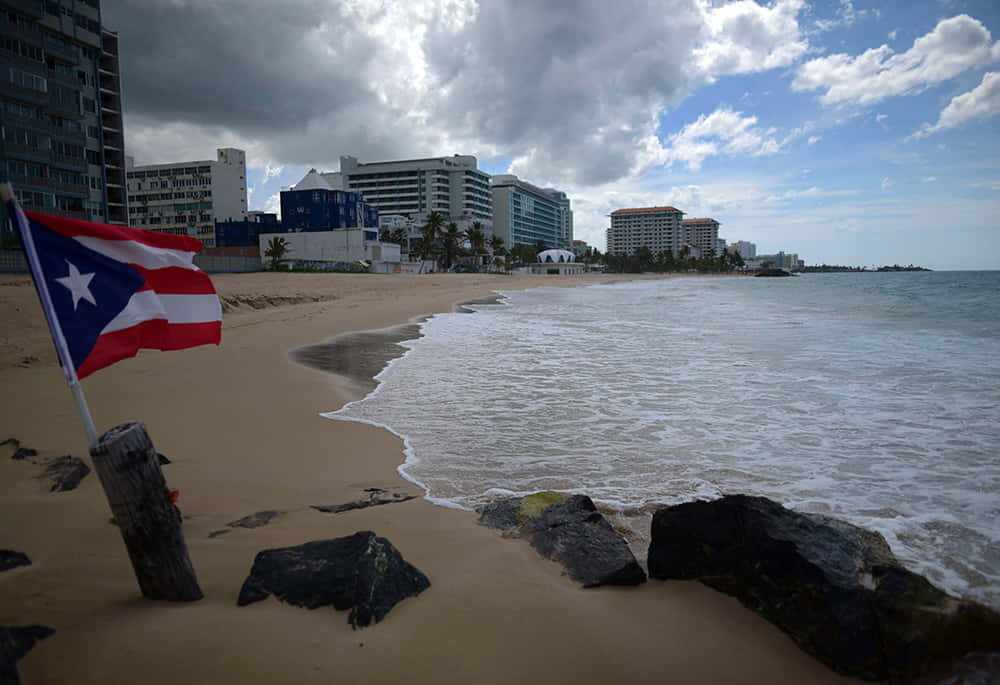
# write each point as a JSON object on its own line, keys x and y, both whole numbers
{"x": 245, "y": 232}
{"x": 320, "y": 209}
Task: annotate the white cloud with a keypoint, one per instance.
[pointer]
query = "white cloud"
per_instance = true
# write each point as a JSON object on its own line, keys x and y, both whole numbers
{"x": 721, "y": 132}
{"x": 273, "y": 204}
{"x": 955, "y": 45}
{"x": 981, "y": 102}
{"x": 272, "y": 171}
{"x": 881, "y": 117}
{"x": 929, "y": 179}
{"x": 886, "y": 184}
{"x": 743, "y": 37}
{"x": 893, "y": 34}
{"x": 814, "y": 139}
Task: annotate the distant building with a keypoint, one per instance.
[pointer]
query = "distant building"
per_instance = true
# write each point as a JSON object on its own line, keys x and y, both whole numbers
{"x": 554, "y": 262}
{"x": 187, "y": 198}
{"x": 338, "y": 250}
{"x": 701, "y": 232}
{"x": 244, "y": 232}
{"x": 657, "y": 228}
{"x": 312, "y": 205}
{"x": 781, "y": 260}
{"x": 524, "y": 214}
{"x": 744, "y": 249}
{"x": 720, "y": 247}
{"x": 453, "y": 186}
{"x": 61, "y": 145}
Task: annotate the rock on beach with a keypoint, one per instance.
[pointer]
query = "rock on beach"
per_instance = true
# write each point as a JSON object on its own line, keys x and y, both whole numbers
{"x": 835, "y": 588}
{"x": 568, "y": 529}
{"x": 362, "y": 573}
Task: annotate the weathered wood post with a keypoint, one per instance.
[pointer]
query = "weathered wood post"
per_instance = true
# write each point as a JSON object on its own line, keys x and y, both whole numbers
{"x": 129, "y": 469}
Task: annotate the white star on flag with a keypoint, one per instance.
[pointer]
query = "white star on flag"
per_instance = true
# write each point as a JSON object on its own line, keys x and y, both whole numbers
{"x": 78, "y": 285}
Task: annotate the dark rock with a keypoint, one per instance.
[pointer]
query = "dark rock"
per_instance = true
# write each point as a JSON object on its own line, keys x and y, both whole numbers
{"x": 376, "y": 497}
{"x": 256, "y": 520}
{"x": 835, "y": 588}
{"x": 15, "y": 642}
{"x": 10, "y": 559}
{"x": 163, "y": 459}
{"x": 23, "y": 453}
{"x": 569, "y": 530}
{"x": 361, "y": 572}
{"x": 11, "y": 441}
{"x": 772, "y": 273}
{"x": 65, "y": 473}
{"x": 217, "y": 533}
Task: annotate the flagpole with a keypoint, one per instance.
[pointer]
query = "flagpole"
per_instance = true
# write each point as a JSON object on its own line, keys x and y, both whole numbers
{"x": 62, "y": 350}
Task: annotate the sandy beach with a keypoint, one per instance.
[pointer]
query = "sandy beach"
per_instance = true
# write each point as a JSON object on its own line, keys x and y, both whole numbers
{"x": 241, "y": 424}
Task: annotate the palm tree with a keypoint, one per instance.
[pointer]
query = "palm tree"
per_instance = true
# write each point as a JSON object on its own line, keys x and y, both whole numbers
{"x": 450, "y": 246}
{"x": 276, "y": 249}
{"x": 431, "y": 228}
{"x": 477, "y": 239}
{"x": 496, "y": 244}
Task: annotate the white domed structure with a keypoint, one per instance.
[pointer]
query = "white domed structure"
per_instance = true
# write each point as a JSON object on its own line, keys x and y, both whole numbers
{"x": 556, "y": 257}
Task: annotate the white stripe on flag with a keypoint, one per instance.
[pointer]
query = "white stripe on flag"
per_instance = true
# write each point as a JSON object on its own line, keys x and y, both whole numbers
{"x": 149, "y": 304}
{"x": 131, "y": 252}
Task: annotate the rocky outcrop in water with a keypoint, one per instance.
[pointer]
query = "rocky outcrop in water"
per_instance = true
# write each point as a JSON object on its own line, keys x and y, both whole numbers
{"x": 835, "y": 588}
{"x": 568, "y": 529}
{"x": 362, "y": 573}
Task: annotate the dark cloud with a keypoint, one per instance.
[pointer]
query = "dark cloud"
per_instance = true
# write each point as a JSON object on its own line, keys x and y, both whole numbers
{"x": 571, "y": 92}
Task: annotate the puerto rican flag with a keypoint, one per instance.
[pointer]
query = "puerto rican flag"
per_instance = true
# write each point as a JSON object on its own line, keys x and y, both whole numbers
{"x": 115, "y": 290}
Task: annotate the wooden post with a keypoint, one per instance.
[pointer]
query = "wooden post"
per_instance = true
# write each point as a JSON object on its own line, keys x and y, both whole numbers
{"x": 129, "y": 469}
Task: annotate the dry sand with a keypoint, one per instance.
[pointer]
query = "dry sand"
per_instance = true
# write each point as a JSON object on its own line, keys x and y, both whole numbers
{"x": 241, "y": 424}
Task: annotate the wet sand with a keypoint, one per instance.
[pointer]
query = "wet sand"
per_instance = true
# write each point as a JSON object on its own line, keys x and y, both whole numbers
{"x": 242, "y": 426}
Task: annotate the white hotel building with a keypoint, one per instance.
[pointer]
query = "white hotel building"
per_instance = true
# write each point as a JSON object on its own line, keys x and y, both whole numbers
{"x": 187, "y": 198}
{"x": 413, "y": 188}
{"x": 658, "y": 228}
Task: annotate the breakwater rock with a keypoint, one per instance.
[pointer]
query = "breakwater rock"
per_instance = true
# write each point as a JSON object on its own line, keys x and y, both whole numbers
{"x": 835, "y": 588}
{"x": 361, "y": 572}
{"x": 570, "y": 530}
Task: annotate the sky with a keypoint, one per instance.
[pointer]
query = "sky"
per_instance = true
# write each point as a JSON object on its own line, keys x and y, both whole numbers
{"x": 848, "y": 132}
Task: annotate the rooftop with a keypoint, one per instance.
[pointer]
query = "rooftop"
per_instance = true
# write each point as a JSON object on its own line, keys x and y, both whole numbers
{"x": 644, "y": 210}
{"x": 697, "y": 221}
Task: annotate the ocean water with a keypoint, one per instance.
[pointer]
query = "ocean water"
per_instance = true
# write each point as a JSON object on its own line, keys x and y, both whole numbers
{"x": 874, "y": 397}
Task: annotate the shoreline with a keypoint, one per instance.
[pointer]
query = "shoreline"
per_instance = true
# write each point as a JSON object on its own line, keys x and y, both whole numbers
{"x": 241, "y": 426}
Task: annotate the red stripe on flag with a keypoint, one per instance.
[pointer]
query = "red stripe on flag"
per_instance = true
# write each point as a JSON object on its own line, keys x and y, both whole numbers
{"x": 74, "y": 227}
{"x": 156, "y": 334}
{"x": 176, "y": 280}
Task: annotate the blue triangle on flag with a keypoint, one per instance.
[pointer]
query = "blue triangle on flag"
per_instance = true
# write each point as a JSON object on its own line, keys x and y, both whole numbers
{"x": 87, "y": 300}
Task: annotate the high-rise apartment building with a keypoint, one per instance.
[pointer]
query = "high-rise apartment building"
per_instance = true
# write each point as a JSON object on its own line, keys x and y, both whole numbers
{"x": 413, "y": 188}
{"x": 524, "y": 214}
{"x": 744, "y": 249}
{"x": 658, "y": 228}
{"x": 187, "y": 198}
{"x": 61, "y": 140}
{"x": 702, "y": 232}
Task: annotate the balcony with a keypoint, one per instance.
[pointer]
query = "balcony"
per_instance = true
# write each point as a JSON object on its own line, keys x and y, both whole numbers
{"x": 66, "y": 109}
{"x": 66, "y": 134}
{"x": 12, "y": 90}
{"x": 63, "y": 52}
{"x": 34, "y": 182}
{"x": 75, "y": 163}
{"x": 72, "y": 189}
{"x": 33, "y": 8}
{"x": 28, "y": 152}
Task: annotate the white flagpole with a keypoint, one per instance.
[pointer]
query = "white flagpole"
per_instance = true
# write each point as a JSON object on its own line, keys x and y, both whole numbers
{"x": 69, "y": 370}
